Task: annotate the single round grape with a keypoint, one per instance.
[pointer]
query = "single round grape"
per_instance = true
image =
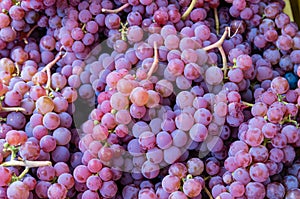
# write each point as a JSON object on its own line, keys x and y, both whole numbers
{"x": 213, "y": 75}
{"x": 57, "y": 190}
{"x": 17, "y": 190}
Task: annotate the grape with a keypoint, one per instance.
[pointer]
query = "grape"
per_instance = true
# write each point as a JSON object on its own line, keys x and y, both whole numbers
{"x": 130, "y": 191}
{"x": 170, "y": 183}
{"x": 184, "y": 121}
{"x": 255, "y": 189}
{"x": 198, "y": 132}
{"x": 51, "y": 120}
{"x": 90, "y": 194}
{"x": 29, "y": 150}
{"x": 213, "y": 75}
{"x": 172, "y": 154}
{"x": 254, "y": 137}
{"x": 259, "y": 172}
{"x": 259, "y": 153}
{"x": 177, "y": 194}
{"x": 17, "y": 189}
{"x": 291, "y": 133}
{"x": 57, "y": 191}
{"x": 150, "y": 170}
{"x": 62, "y": 136}
{"x": 243, "y": 158}
{"x": 294, "y": 193}
{"x": 108, "y": 189}
{"x": 7, "y": 34}
{"x": 163, "y": 140}
{"x": 139, "y": 96}
{"x": 217, "y": 190}
{"x": 135, "y": 34}
{"x": 16, "y": 120}
{"x": 48, "y": 143}
{"x": 61, "y": 168}
{"x": 94, "y": 183}
{"x": 7, "y": 176}
{"x": 192, "y": 187}
{"x": 290, "y": 182}
{"x": 155, "y": 155}
{"x": 180, "y": 138}
{"x": 60, "y": 154}
{"x": 15, "y": 138}
{"x": 42, "y": 188}
{"x": 178, "y": 169}
{"x": 46, "y": 173}
{"x": 30, "y": 182}
{"x": 241, "y": 175}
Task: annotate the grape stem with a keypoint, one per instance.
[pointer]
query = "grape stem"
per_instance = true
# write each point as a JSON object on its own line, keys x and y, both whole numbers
{"x": 115, "y": 11}
{"x": 218, "y": 45}
{"x": 123, "y": 31}
{"x": 189, "y": 10}
{"x": 288, "y": 119}
{"x": 29, "y": 33}
{"x": 12, "y": 109}
{"x": 13, "y": 150}
{"x": 24, "y": 172}
{"x": 83, "y": 27}
{"x": 208, "y": 193}
{"x": 265, "y": 142}
{"x": 18, "y": 69}
{"x": 247, "y": 104}
{"x": 48, "y": 67}
{"x": 219, "y": 42}
{"x": 224, "y": 60}
{"x": 155, "y": 61}
{"x": 217, "y": 21}
{"x": 26, "y": 163}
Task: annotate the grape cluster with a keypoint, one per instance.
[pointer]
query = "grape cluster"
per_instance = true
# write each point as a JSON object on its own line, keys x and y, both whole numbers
{"x": 149, "y": 99}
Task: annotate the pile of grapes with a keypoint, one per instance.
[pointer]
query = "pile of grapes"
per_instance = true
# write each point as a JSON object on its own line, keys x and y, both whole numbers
{"x": 149, "y": 99}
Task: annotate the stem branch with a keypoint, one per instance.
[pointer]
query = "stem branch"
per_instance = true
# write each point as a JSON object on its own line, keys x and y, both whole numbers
{"x": 224, "y": 60}
{"x": 155, "y": 61}
{"x": 218, "y": 43}
{"x": 12, "y": 109}
{"x": 29, "y": 33}
{"x": 217, "y": 21}
{"x": 48, "y": 67}
{"x": 208, "y": 193}
{"x": 24, "y": 172}
{"x": 26, "y": 163}
{"x": 189, "y": 10}
{"x": 115, "y": 11}
{"x": 247, "y": 104}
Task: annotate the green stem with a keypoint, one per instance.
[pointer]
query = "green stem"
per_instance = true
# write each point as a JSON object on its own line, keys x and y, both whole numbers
{"x": 217, "y": 21}
{"x": 208, "y": 193}
{"x": 248, "y": 104}
{"x": 189, "y": 176}
{"x": 189, "y": 10}
{"x": 207, "y": 178}
{"x": 266, "y": 141}
{"x": 24, "y": 172}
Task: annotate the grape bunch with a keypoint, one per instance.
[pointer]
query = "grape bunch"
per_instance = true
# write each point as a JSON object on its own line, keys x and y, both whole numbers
{"x": 149, "y": 99}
